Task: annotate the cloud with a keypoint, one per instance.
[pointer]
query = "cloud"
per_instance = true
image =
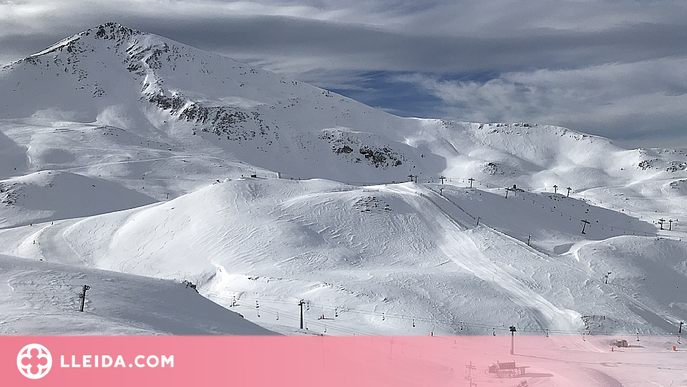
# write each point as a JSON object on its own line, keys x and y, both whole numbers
{"x": 382, "y": 35}
{"x": 641, "y": 102}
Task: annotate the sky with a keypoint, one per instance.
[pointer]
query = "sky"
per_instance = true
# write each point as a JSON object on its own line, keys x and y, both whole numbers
{"x": 614, "y": 68}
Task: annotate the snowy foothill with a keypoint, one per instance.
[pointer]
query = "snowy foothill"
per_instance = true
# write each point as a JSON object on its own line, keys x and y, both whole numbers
{"x": 42, "y": 298}
{"x": 132, "y": 163}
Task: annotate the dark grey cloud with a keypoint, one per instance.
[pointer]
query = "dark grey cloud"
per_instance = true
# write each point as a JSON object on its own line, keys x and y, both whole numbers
{"x": 338, "y": 46}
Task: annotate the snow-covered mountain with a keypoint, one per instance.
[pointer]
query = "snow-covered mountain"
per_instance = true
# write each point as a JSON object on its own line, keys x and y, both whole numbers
{"x": 139, "y": 88}
{"x": 129, "y": 152}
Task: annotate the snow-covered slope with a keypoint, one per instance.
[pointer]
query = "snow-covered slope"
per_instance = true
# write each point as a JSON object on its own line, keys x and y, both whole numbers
{"x": 392, "y": 254}
{"x": 128, "y": 152}
{"x": 42, "y": 298}
{"x": 53, "y": 195}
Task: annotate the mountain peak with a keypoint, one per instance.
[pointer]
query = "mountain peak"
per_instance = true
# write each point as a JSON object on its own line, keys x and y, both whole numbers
{"x": 108, "y": 31}
{"x": 111, "y": 30}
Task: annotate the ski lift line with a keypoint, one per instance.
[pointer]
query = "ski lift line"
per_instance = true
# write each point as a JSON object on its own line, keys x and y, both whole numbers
{"x": 580, "y": 219}
{"x": 452, "y": 202}
{"x": 312, "y": 304}
{"x": 245, "y": 297}
{"x": 334, "y": 324}
{"x": 402, "y": 180}
{"x": 535, "y": 200}
{"x": 543, "y": 254}
{"x": 378, "y": 314}
{"x": 449, "y": 216}
{"x": 470, "y": 326}
{"x": 263, "y": 308}
{"x": 527, "y": 190}
{"x": 340, "y": 309}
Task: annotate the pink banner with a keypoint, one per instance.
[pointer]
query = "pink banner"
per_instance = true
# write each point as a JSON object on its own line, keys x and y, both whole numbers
{"x": 329, "y": 361}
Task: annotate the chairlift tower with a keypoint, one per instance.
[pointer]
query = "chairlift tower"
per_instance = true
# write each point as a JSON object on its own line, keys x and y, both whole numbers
{"x": 585, "y": 222}
{"x": 301, "y": 303}
{"x": 82, "y": 296}
{"x": 512, "y": 339}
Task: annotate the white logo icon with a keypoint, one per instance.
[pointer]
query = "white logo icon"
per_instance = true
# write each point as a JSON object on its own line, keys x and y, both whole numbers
{"x": 34, "y": 361}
